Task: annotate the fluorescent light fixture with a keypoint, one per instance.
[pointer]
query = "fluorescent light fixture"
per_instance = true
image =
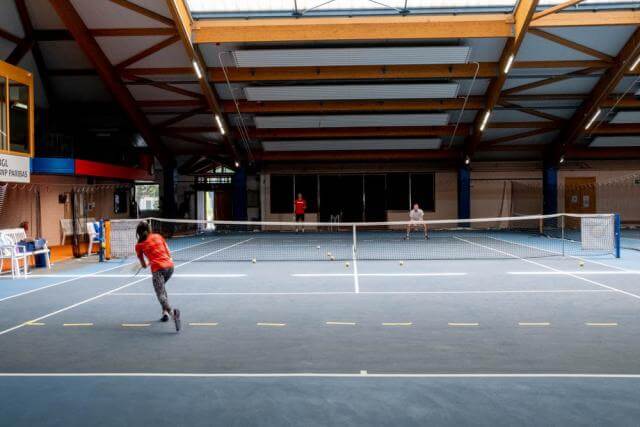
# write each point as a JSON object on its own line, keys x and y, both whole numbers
{"x": 350, "y": 120}
{"x": 593, "y": 119}
{"x": 351, "y": 91}
{"x": 561, "y": 159}
{"x": 197, "y": 68}
{"x": 635, "y": 63}
{"x": 20, "y": 106}
{"x": 507, "y": 67}
{"x": 352, "y": 56}
{"x": 467, "y": 160}
{"x": 237, "y": 163}
{"x": 353, "y": 144}
{"x": 220, "y": 126}
{"x": 485, "y": 119}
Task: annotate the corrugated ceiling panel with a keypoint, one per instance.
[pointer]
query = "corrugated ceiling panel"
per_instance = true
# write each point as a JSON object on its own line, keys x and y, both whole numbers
{"x": 626, "y": 117}
{"x": 338, "y": 92}
{"x": 351, "y": 56}
{"x": 352, "y": 144}
{"x": 351, "y": 120}
{"x": 616, "y": 141}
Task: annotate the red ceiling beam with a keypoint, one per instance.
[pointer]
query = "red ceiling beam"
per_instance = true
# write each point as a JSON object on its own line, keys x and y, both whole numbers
{"x": 109, "y": 76}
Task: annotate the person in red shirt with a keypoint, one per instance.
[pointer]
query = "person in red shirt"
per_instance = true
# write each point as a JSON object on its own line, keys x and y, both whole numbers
{"x": 299, "y": 207}
{"x": 155, "y": 249}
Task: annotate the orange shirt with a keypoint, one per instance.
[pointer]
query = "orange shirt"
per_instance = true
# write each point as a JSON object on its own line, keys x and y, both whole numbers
{"x": 156, "y": 251}
{"x": 301, "y": 206}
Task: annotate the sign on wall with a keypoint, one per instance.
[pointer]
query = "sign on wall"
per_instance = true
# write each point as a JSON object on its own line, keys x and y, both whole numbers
{"x": 14, "y": 168}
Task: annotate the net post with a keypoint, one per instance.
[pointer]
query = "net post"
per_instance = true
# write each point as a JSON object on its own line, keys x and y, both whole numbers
{"x": 101, "y": 239}
{"x": 107, "y": 239}
{"x": 617, "y": 234}
{"x": 353, "y": 227}
{"x": 562, "y": 224}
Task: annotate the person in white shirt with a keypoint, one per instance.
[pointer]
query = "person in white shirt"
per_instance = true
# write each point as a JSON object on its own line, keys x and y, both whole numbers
{"x": 416, "y": 215}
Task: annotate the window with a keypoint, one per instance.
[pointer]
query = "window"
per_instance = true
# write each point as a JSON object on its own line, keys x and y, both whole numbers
{"x": 398, "y": 192}
{"x": 19, "y": 117}
{"x": 307, "y": 185}
{"x": 281, "y": 194}
{"x": 423, "y": 191}
{"x": 148, "y": 197}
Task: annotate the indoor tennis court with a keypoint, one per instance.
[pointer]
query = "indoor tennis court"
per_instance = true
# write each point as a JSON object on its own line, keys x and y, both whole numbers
{"x": 319, "y": 213}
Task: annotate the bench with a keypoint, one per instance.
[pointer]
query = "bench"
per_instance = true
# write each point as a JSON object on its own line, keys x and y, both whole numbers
{"x": 15, "y": 235}
{"x": 66, "y": 227}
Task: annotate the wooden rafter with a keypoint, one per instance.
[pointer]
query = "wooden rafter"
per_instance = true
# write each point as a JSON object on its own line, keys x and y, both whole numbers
{"x": 589, "y": 19}
{"x": 144, "y": 11}
{"x": 180, "y": 117}
{"x": 162, "y": 85}
{"x": 522, "y": 16}
{"x": 182, "y": 21}
{"x": 10, "y": 37}
{"x": 25, "y": 45}
{"x": 109, "y": 76}
{"x": 164, "y": 103}
{"x": 555, "y": 9}
{"x": 571, "y": 44}
{"x": 192, "y": 140}
{"x": 148, "y": 52}
{"x": 530, "y": 111}
{"x": 550, "y": 80}
{"x": 517, "y": 136}
{"x": 575, "y": 127}
{"x": 61, "y": 35}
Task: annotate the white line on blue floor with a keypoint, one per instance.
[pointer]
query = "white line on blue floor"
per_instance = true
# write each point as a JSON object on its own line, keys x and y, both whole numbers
{"x": 378, "y": 274}
{"x": 519, "y": 291}
{"x": 580, "y": 272}
{"x": 361, "y": 374}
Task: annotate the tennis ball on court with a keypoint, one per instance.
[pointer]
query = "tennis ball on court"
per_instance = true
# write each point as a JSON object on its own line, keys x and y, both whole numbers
{"x": 332, "y": 258}
{"x": 254, "y": 260}
{"x": 401, "y": 263}
{"x": 581, "y": 264}
{"x": 328, "y": 254}
{"x": 346, "y": 264}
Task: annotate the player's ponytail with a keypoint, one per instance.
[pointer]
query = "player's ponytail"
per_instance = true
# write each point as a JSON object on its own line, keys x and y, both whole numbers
{"x": 142, "y": 231}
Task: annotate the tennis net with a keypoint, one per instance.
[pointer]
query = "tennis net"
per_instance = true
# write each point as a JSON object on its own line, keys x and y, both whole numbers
{"x": 532, "y": 236}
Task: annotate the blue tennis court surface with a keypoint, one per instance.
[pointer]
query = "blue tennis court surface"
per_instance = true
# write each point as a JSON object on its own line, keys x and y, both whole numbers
{"x": 320, "y": 341}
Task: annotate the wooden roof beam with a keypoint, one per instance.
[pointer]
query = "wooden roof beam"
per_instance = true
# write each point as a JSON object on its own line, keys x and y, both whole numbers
{"x": 555, "y": 9}
{"x": 522, "y": 15}
{"x": 575, "y": 128}
{"x": 182, "y": 18}
{"x": 108, "y": 75}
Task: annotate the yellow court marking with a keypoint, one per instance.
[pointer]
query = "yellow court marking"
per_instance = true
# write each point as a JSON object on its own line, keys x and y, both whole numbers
{"x": 397, "y": 323}
{"x": 35, "y": 324}
{"x": 601, "y": 324}
{"x": 464, "y": 324}
{"x": 135, "y": 325}
{"x": 341, "y": 323}
{"x": 77, "y": 324}
{"x": 534, "y": 323}
{"x": 203, "y": 324}
{"x": 271, "y": 324}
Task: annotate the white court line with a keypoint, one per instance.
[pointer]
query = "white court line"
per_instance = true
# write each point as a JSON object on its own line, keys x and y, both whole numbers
{"x": 124, "y": 276}
{"x": 580, "y": 272}
{"x": 84, "y": 276}
{"x": 6, "y": 331}
{"x": 378, "y": 274}
{"x": 361, "y": 374}
{"x": 519, "y": 291}
{"x": 552, "y": 268}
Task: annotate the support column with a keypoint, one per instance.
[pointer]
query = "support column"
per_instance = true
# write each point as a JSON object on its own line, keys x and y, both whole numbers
{"x": 550, "y": 190}
{"x": 240, "y": 195}
{"x": 169, "y": 206}
{"x": 464, "y": 193}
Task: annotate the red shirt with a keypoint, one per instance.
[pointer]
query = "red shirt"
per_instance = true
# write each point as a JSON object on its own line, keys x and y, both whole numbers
{"x": 156, "y": 251}
{"x": 300, "y": 206}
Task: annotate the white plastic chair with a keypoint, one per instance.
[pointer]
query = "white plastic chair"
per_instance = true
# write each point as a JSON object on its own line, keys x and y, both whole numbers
{"x": 93, "y": 236}
{"x": 15, "y": 253}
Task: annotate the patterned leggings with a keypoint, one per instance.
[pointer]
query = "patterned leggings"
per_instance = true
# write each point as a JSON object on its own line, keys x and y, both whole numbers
{"x": 160, "y": 277}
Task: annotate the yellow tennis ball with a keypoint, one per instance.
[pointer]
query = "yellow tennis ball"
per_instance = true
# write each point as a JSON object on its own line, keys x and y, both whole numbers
{"x": 401, "y": 263}
{"x": 346, "y": 264}
{"x": 254, "y": 260}
{"x": 581, "y": 264}
{"x": 332, "y": 258}
{"x": 328, "y": 254}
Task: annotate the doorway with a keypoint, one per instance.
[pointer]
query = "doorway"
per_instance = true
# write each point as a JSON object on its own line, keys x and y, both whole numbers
{"x": 341, "y": 195}
{"x": 375, "y": 200}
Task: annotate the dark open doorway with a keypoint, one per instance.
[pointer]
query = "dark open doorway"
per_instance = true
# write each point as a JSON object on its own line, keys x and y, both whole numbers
{"x": 341, "y": 195}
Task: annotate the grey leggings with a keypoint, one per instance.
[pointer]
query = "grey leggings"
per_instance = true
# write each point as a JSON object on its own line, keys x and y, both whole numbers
{"x": 160, "y": 277}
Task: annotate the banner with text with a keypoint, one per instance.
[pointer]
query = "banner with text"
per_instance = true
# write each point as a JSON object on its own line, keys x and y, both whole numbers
{"x": 15, "y": 168}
